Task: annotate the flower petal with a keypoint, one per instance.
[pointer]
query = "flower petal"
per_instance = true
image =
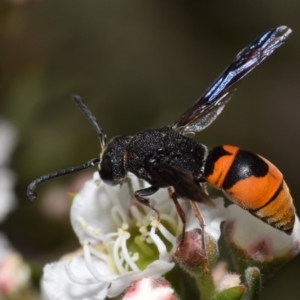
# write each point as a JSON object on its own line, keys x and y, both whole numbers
{"x": 92, "y": 204}
{"x": 57, "y": 285}
{"x": 213, "y": 217}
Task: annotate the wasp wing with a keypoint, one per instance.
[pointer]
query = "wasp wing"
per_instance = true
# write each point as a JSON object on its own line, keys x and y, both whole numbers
{"x": 182, "y": 181}
{"x": 207, "y": 108}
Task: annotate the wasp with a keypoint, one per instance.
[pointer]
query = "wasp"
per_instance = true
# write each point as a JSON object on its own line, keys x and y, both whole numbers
{"x": 168, "y": 158}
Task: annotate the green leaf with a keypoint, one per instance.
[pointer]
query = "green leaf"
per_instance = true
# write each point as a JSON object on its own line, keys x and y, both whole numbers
{"x": 234, "y": 293}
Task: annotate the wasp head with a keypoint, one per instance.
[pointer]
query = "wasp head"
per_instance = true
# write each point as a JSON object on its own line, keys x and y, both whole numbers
{"x": 112, "y": 170}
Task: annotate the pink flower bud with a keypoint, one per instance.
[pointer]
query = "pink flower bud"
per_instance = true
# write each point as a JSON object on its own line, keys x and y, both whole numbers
{"x": 151, "y": 288}
{"x": 192, "y": 256}
{"x": 14, "y": 274}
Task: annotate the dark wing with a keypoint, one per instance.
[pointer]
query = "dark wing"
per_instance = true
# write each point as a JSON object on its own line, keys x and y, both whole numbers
{"x": 206, "y": 109}
{"x": 182, "y": 181}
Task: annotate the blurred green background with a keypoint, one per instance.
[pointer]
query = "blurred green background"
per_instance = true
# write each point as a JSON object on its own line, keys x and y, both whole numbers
{"x": 138, "y": 64}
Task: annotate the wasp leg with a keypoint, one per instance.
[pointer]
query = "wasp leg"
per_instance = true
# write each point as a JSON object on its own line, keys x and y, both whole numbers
{"x": 140, "y": 194}
{"x": 180, "y": 212}
{"x": 202, "y": 226}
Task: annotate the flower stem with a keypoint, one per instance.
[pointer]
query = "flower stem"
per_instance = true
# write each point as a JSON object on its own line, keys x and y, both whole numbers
{"x": 206, "y": 286}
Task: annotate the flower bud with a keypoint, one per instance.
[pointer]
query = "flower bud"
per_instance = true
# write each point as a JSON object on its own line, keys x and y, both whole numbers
{"x": 14, "y": 274}
{"x": 255, "y": 243}
{"x": 192, "y": 256}
{"x": 226, "y": 284}
{"x": 151, "y": 288}
{"x": 228, "y": 281}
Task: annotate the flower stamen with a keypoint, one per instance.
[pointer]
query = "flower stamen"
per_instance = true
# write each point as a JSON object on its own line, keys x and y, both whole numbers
{"x": 98, "y": 254}
{"x": 89, "y": 263}
{"x": 135, "y": 256}
{"x": 136, "y": 214}
{"x": 162, "y": 249}
{"x": 154, "y": 221}
{"x": 83, "y": 224}
{"x": 90, "y": 230}
{"x": 117, "y": 258}
{"x": 118, "y": 215}
{"x": 97, "y": 231}
{"x": 127, "y": 256}
{"x": 74, "y": 278}
{"x": 167, "y": 234}
{"x": 97, "y": 182}
{"x": 149, "y": 240}
{"x": 125, "y": 226}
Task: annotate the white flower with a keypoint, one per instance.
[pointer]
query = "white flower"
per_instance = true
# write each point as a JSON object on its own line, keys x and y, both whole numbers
{"x": 122, "y": 240}
{"x": 260, "y": 241}
{"x": 7, "y": 177}
{"x": 14, "y": 273}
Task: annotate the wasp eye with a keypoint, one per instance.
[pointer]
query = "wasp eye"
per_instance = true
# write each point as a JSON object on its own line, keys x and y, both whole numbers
{"x": 112, "y": 169}
{"x": 106, "y": 170}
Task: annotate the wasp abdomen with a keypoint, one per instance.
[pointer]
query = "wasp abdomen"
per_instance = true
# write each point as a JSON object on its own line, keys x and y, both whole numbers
{"x": 253, "y": 183}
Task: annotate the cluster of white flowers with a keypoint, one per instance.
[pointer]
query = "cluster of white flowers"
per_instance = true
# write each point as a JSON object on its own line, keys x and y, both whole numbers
{"x": 122, "y": 241}
{"x": 7, "y": 177}
{"x": 125, "y": 248}
{"x": 14, "y": 273}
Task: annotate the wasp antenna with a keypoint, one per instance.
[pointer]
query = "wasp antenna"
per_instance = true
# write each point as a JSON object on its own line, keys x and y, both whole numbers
{"x": 80, "y": 103}
{"x": 32, "y": 195}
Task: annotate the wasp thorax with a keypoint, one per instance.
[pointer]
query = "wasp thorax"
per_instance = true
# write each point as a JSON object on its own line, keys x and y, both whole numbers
{"x": 112, "y": 170}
